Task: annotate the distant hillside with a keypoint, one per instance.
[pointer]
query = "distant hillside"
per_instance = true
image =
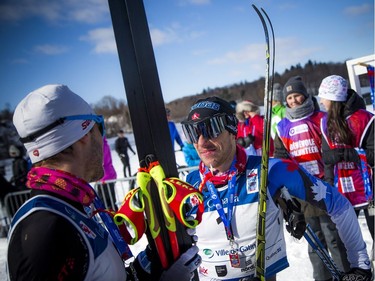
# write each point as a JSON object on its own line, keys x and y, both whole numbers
{"x": 312, "y": 74}
{"x": 116, "y": 112}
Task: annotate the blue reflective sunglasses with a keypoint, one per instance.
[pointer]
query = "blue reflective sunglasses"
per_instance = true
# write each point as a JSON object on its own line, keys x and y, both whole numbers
{"x": 209, "y": 128}
{"x": 98, "y": 119}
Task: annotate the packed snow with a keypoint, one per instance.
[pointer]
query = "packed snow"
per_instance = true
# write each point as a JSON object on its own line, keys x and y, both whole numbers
{"x": 299, "y": 269}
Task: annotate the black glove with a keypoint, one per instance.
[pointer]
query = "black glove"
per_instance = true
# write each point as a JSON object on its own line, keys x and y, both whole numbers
{"x": 241, "y": 142}
{"x": 357, "y": 274}
{"x": 295, "y": 219}
{"x": 351, "y": 155}
{"x": 249, "y": 139}
{"x": 296, "y": 225}
{"x": 340, "y": 154}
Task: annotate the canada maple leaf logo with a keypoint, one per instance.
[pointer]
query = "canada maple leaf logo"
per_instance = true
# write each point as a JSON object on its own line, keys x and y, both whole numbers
{"x": 195, "y": 116}
{"x": 194, "y": 200}
{"x": 320, "y": 191}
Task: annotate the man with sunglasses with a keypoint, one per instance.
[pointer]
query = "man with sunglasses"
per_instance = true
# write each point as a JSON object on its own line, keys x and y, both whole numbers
{"x": 53, "y": 235}
{"x": 229, "y": 181}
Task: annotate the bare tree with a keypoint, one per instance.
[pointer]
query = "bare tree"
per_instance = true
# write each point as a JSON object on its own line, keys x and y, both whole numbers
{"x": 116, "y": 114}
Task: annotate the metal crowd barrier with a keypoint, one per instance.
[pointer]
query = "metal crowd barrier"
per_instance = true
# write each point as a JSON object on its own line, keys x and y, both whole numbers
{"x": 112, "y": 192}
{"x": 14, "y": 200}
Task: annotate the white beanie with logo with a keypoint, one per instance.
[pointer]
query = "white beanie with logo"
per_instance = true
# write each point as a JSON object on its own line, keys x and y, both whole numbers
{"x": 334, "y": 88}
{"x": 43, "y": 107}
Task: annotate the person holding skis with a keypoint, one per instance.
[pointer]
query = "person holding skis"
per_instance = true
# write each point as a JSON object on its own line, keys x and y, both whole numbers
{"x": 121, "y": 146}
{"x": 229, "y": 181}
{"x": 348, "y": 144}
{"x": 53, "y": 236}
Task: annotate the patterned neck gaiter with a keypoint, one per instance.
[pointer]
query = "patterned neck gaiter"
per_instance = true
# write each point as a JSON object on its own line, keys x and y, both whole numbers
{"x": 62, "y": 183}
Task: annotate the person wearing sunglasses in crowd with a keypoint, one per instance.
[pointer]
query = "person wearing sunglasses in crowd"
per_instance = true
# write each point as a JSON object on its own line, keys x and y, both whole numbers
{"x": 53, "y": 235}
{"x": 229, "y": 181}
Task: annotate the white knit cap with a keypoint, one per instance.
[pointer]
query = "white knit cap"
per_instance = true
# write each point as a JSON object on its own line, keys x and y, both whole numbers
{"x": 334, "y": 88}
{"x": 43, "y": 107}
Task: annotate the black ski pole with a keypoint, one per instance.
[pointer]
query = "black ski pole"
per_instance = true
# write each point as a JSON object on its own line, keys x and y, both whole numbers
{"x": 322, "y": 253}
{"x": 316, "y": 244}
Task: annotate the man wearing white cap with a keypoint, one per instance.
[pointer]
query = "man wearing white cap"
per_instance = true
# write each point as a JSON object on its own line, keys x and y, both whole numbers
{"x": 51, "y": 236}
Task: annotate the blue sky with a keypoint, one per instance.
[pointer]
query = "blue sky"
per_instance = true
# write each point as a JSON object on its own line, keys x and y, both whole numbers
{"x": 198, "y": 44}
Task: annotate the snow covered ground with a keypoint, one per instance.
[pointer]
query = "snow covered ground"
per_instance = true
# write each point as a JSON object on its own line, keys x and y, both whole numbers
{"x": 299, "y": 269}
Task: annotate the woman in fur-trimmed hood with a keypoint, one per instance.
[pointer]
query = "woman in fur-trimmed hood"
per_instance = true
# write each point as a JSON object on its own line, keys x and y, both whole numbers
{"x": 250, "y": 127}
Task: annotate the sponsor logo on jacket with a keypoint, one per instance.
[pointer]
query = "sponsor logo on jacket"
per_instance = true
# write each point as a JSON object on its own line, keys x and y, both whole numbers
{"x": 225, "y": 252}
{"x": 303, "y": 128}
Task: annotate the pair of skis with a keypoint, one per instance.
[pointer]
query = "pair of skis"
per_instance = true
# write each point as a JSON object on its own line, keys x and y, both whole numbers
{"x": 146, "y": 106}
{"x": 268, "y": 89}
{"x": 309, "y": 235}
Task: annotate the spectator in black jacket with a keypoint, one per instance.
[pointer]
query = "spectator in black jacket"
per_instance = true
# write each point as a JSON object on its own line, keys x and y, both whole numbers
{"x": 122, "y": 145}
{"x": 20, "y": 167}
{"x": 5, "y": 188}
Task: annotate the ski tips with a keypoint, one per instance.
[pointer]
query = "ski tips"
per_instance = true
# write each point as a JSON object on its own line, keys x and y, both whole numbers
{"x": 270, "y": 58}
